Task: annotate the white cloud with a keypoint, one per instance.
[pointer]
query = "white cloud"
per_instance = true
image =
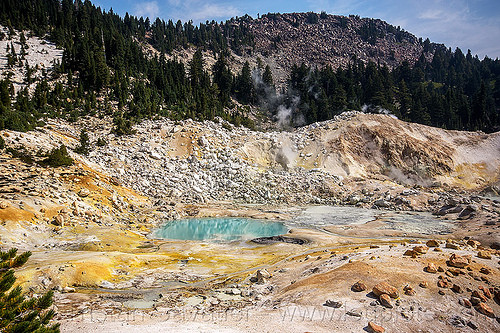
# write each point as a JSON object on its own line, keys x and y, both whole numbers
{"x": 201, "y": 11}
{"x": 147, "y": 9}
{"x": 213, "y": 11}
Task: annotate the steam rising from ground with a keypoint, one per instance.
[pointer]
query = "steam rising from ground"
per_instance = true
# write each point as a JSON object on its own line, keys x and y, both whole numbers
{"x": 286, "y": 152}
{"x": 284, "y": 115}
{"x": 377, "y": 109}
{"x": 285, "y": 107}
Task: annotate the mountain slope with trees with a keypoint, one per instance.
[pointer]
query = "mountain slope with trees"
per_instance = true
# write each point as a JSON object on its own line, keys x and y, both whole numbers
{"x": 369, "y": 64}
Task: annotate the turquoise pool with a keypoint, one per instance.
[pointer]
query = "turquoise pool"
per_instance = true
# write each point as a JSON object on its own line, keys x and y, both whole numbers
{"x": 220, "y": 229}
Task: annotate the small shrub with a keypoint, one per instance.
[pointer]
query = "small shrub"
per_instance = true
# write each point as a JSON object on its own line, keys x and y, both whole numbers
{"x": 20, "y": 153}
{"x": 2, "y": 143}
{"x": 58, "y": 157}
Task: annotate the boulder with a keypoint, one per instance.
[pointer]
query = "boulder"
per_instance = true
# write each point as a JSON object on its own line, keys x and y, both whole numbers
{"x": 486, "y": 292}
{"x": 465, "y": 302}
{"x": 452, "y": 245}
{"x": 458, "y": 261}
{"x": 409, "y": 290}
{"x": 410, "y": 253}
{"x": 432, "y": 243}
{"x": 431, "y": 268}
{"x": 485, "y": 270}
{"x": 443, "y": 284}
{"x": 385, "y": 288}
{"x": 333, "y": 304}
{"x": 473, "y": 243}
{"x": 479, "y": 294}
{"x": 468, "y": 212}
{"x": 355, "y": 313}
{"x": 262, "y": 276}
{"x": 456, "y": 288}
{"x": 485, "y": 309}
{"x": 448, "y": 209}
{"x": 421, "y": 249}
{"x": 58, "y": 220}
{"x": 424, "y": 284}
{"x": 374, "y": 328}
{"x": 385, "y": 300}
{"x": 353, "y": 200}
{"x": 382, "y": 203}
{"x": 358, "y": 286}
{"x": 484, "y": 254}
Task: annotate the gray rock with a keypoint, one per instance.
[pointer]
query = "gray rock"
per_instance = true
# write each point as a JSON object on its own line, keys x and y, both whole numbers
{"x": 333, "y": 304}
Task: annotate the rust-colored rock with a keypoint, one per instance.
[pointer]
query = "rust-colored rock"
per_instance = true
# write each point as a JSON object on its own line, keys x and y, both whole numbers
{"x": 443, "y": 284}
{"x": 432, "y": 243}
{"x": 424, "y": 284}
{"x": 458, "y": 261}
{"x": 486, "y": 292}
{"x": 385, "y": 288}
{"x": 456, "y": 288}
{"x": 485, "y": 309}
{"x": 385, "y": 300}
{"x": 431, "y": 268}
{"x": 465, "y": 302}
{"x": 374, "y": 328}
{"x": 409, "y": 290}
{"x": 410, "y": 253}
{"x": 484, "y": 254}
{"x": 485, "y": 270}
{"x": 358, "y": 286}
{"x": 421, "y": 249}
{"x": 479, "y": 294}
{"x": 473, "y": 243}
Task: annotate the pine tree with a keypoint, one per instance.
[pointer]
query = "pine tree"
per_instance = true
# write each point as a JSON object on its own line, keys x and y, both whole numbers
{"x": 244, "y": 86}
{"x": 267, "y": 77}
{"x": 83, "y": 148}
{"x": 18, "y": 314}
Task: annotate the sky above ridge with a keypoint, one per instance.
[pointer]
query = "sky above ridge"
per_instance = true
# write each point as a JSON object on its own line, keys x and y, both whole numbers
{"x": 467, "y": 24}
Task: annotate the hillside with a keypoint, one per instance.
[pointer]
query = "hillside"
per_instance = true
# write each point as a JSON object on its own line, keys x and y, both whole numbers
{"x": 243, "y": 70}
{"x": 320, "y": 40}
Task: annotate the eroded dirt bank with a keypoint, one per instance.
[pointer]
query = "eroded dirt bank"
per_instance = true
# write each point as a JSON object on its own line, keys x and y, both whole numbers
{"x": 89, "y": 226}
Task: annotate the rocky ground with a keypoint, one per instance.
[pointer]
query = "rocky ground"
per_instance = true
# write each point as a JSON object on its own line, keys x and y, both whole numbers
{"x": 39, "y": 54}
{"x": 89, "y": 226}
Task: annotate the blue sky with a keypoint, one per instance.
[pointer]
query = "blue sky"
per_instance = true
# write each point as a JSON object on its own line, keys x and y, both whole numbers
{"x": 468, "y": 24}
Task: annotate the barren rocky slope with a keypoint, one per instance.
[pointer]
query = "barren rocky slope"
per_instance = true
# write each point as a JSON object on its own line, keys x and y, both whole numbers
{"x": 282, "y": 40}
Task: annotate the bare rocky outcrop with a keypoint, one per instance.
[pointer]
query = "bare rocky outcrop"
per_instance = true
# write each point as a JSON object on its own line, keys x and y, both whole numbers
{"x": 294, "y": 38}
